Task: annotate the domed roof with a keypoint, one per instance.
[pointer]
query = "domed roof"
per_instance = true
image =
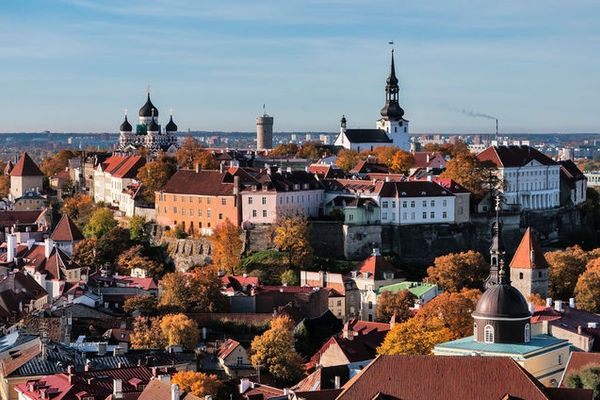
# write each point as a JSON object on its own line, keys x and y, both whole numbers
{"x": 153, "y": 126}
{"x": 126, "y": 126}
{"x": 171, "y": 126}
{"x": 148, "y": 108}
{"x": 502, "y": 301}
{"x": 392, "y": 111}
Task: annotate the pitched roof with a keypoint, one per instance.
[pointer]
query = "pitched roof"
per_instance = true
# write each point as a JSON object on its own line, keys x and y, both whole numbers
{"x": 324, "y": 378}
{"x": 11, "y": 217}
{"x": 514, "y": 156}
{"x": 122, "y": 166}
{"x": 414, "y": 189}
{"x": 366, "y": 166}
{"x": 367, "y": 136}
{"x": 577, "y": 361}
{"x": 375, "y": 266}
{"x": 424, "y": 159}
{"x": 54, "y": 265}
{"x": 66, "y": 231}
{"x": 26, "y": 167}
{"x": 529, "y": 253}
{"x": 159, "y": 390}
{"x": 326, "y": 171}
{"x": 227, "y": 347}
{"x": 411, "y": 377}
{"x": 198, "y": 183}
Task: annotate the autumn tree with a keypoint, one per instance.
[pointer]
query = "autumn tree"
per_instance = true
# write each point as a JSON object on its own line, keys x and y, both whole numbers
{"x": 85, "y": 252}
{"x": 347, "y": 159}
{"x": 197, "y": 383}
{"x": 133, "y": 258}
{"x": 414, "y": 337}
{"x": 402, "y": 162}
{"x": 475, "y": 175}
{"x": 451, "y": 310}
{"x": 187, "y": 154}
{"x": 4, "y": 185}
{"x": 398, "y": 304}
{"x": 587, "y": 289}
{"x": 144, "y": 305}
{"x": 310, "y": 150}
{"x": 456, "y": 271}
{"x": 111, "y": 245}
{"x": 536, "y": 299}
{"x": 199, "y": 291}
{"x": 284, "y": 150}
{"x": 292, "y": 237}
{"x": 58, "y": 162}
{"x": 147, "y": 334}
{"x": 274, "y": 350}
{"x": 564, "y": 269}
{"x": 174, "y": 294}
{"x": 137, "y": 228}
{"x": 101, "y": 221}
{"x": 155, "y": 174}
{"x": 178, "y": 329}
{"x": 227, "y": 246}
{"x": 79, "y": 208}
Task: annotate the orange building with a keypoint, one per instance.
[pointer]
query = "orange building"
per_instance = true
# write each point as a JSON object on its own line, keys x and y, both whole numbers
{"x": 199, "y": 200}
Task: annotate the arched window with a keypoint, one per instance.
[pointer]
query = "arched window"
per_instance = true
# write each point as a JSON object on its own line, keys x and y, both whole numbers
{"x": 489, "y": 334}
{"x": 475, "y": 331}
{"x": 527, "y": 333}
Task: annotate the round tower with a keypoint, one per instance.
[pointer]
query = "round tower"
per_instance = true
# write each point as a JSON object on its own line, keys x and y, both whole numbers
{"x": 264, "y": 131}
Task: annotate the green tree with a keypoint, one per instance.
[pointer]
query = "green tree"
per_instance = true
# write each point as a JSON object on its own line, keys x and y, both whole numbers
{"x": 390, "y": 304}
{"x": 100, "y": 223}
{"x": 274, "y": 350}
{"x": 111, "y": 245}
{"x": 587, "y": 378}
{"x": 289, "y": 277}
{"x": 178, "y": 329}
{"x": 227, "y": 245}
{"x": 456, "y": 271}
{"x": 137, "y": 228}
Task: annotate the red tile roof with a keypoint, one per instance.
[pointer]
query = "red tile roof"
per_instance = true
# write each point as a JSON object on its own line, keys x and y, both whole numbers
{"x": 122, "y": 166}
{"x": 26, "y": 167}
{"x": 198, "y": 183}
{"x": 53, "y": 266}
{"x": 159, "y": 390}
{"x": 375, "y": 266}
{"x": 425, "y": 159}
{"x": 10, "y": 217}
{"x": 514, "y": 156}
{"x": 529, "y": 254}
{"x": 409, "y": 377}
{"x": 227, "y": 347}
{"x": 66, "y": 231}
{"x": 577, "y": 361}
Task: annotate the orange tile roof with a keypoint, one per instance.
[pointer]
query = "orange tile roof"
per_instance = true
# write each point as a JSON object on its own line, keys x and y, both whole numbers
{"x": 375, "y": 266}
{"x": 529, "y": 254}
{"x": 66, "y": 230}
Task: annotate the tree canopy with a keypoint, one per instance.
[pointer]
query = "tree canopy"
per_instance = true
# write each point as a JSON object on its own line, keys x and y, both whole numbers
{"x": 292, "y": 237}
{"x": 100, "y": 223}
{"x": 586, "y": 378}
{"x": 178, "y": 329}
{"x": 197, "y": 383}
{"x": 398, "y": 304}
{"x": 456, "y": 271}
{"x": 587, "y": 289}
{"x": 479, "y": 177}
{"x": 227, "y": 247}
{"x": 564, "y": 269}
{"x": 155, "y": 174}
{"x": 199, "y": 291}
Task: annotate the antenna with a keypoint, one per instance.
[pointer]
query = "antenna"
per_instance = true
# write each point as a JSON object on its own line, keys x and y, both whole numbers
{"x": 496, "y": 129}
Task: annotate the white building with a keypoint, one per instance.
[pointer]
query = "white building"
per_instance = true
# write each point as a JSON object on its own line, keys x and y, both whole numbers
{"x": 113, "y": 176}
{"x": 529, "y": 179}
{"x": 391, "y": 128}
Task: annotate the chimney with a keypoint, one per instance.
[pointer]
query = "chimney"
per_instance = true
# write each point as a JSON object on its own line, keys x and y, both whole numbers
{"x": 572, "y": 303}
{"x": 244, "y": 385}
{"x": 336, "y": 382}
{"x": 531, "y": 307}
{"x": 118, "y": 389}
{"x": 48, "y": 245}
{"x": 70, "y": 370}
{"x": 558, "y": 305}
{"x": 174, "y": 392}
{"x": 579, "y": 330}
{"x": 197, "y": 168}
{"x": 11, "y": 247}
{"x": 548, "y": 301}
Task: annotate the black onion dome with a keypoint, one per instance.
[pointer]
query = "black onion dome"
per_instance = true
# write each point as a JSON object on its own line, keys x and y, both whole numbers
{"x": 126, "y": 126}
{"x": 171, "y": 126}
{"x": 153, "y": 126}
{"x": 343, "y": 120}
{"x": 502, "y": 301}
{"x": 392, "y": 111}
{"x": 148, "y": 108}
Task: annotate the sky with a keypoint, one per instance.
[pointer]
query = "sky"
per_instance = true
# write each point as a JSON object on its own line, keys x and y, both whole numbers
{"x": 77, "y": 65}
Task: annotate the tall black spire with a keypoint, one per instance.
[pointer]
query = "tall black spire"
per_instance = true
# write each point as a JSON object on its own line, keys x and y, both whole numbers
{"x": 392, "y": 109}
{"x": 497, "y": 253}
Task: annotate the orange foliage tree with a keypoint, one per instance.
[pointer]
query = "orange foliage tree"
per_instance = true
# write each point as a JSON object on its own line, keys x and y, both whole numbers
{"x": 399, "y": 304}
{"x": 227, "y": 246}
{"x": 456, "y": 271}
{"x": 197, "y": 383}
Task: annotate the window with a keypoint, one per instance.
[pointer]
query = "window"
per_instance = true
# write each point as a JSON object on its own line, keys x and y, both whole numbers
{"x": 191, "y": 199}
{"x": 183, "y": 211}
{"x": 208, "y": 213}
{"x": 560, "y": 359}
{"x": 412, "y": 204}
{"x": 424, "y": 214}
{"x": 339, "y": 303}
{"x": 351, "y": 217}
{"x": 208, "y": 200}
{"x": 249, "y": 200}
{"x": 432, "y": 215}
{"x": 220, "y": 216}
{"x": 444, "y": 203}
{"x": 520, "y": 275}
{"x": 191, "y": 212}
{"x": 199, "y": 200}
{"x": 393, "y": 203}
{"x": 404, "y": 204}
{"x": 264, "y": 213}
{"x": 370, "y": 305}
{"x": 384, "y": 204}
{"x": 444, "y": 214}
{"x": 412, "y": 215}
{"x": 254, "y": 213}
{"x": 475, "y": 331}
{"x": 384, "y": 215}
{"x": 432, "y": 203}
{"x": 199, "y": 212}
{"x": 264, "y": 200}
{"x": 488, "y": 332}
{"x": 528, "y": 335}
{"x": 174, "y": 210}
{"x": 174, "y": 197}
{"x": 404, "y": 216}
{"x": 224, "y": 201}
{"x": 424, "y": 203}
{"x": 240, "y": 360}
{"x": 182, "y": 198}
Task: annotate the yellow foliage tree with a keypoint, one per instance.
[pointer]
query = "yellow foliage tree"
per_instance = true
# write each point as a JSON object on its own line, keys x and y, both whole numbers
{"x": 402, "y": 162}
{"x": 274, "y": 350}
{"x": 456, "y": 271}
{"x": 147, "y": 334}
{"x": 587, "y": 289}
{"x": 347, "y": 159}
{"x": 564, "y": 269}
{"x": 178, "y": 329}
{"x": 414, "y": 337}
{"x": 227, "y": 246}
{"x": 389, "y": 304}
{"x": 197, "y": 383}
{"x": 292, "y": 237}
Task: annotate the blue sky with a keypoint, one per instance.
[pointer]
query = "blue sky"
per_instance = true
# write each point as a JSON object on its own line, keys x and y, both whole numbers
{"x": 75, "y": 65}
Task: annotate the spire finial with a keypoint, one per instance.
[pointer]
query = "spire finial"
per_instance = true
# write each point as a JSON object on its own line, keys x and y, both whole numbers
{"x": 125, "y": 112}
{"x": 148, "y": 90}
{"x": 171, "y": 112}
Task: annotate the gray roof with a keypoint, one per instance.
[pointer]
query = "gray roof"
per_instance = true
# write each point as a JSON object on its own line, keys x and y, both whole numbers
{"x": 367, "y": 136}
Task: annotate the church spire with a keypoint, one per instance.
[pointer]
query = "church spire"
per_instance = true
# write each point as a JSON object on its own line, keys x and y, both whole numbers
{"x": 497, "y": 252}
{"x": 392, "y": 110}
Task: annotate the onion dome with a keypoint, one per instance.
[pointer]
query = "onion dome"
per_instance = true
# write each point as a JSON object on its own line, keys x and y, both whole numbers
{"x": 148, "y": 109}
{"x": 343, "y": 121}
{"x": 153, "y": 126}
{"x": 171, "y": 126}
{"x": 501, "y": 302}
{"x": 126, "y": 126}
{"x": 392, "y": 109}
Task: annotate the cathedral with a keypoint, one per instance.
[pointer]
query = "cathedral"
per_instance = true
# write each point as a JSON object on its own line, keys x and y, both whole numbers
{"x": 391, "y": 128}
{"x": 148, "y": 133}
